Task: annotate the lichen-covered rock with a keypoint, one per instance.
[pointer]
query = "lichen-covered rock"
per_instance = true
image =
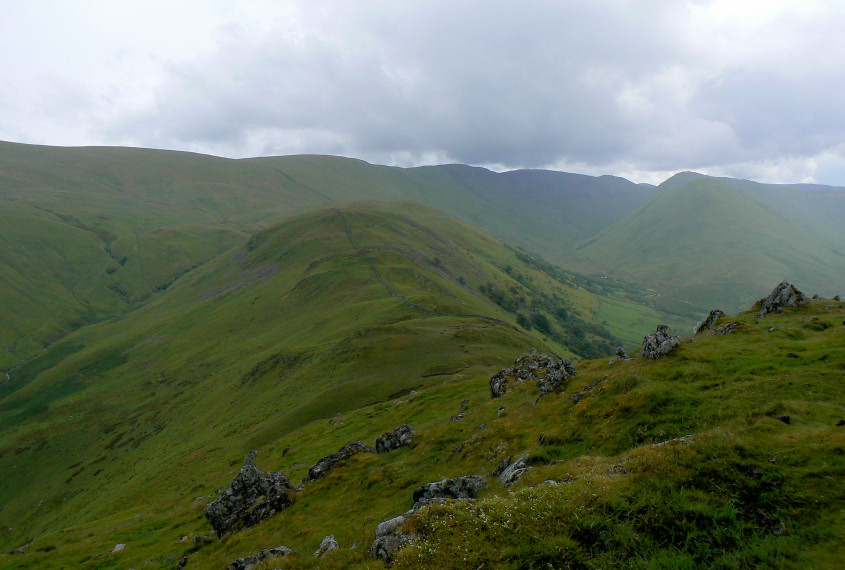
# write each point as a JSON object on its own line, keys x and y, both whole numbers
{"x": 464, "y": 487}
{"x": 548, "y": 372}
{"x": 514, "y": 471}
{"x": 390, "y": 538}
{"x": 251, "y": 497}
{"x": 659, "y": 344}
{"x": 784, "y": 295}
{"x": 250, "y": 562}
{"x": 711, "y": 319}
{"x": 400, "y": 437}
{"x": 327, "y": 463}
{"x": 327, "y": 545}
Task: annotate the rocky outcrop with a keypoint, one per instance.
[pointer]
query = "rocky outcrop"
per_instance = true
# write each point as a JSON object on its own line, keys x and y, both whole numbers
{"x": 250, "y": 498}
{"x": 711, "y": 319}
{"x": 464, "y": 487}
{"x": 400, "y": 437}
{"x": 659, "y": 344}
{"x": 390, "y": 535}
{"x": 784, "y": 295}
{"x": 327, "y": 545}
{"x": 250, "y": 562}
{"x": 548, "y": 372}
{"x": 514, "y": 471}
{"x": 390, "y": 538}
{"x": 726, "y": 328}
{"x": 327, "y": 463}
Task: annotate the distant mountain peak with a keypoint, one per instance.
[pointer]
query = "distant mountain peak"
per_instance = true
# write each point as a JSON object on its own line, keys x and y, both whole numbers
{"x": 680, "y": 179}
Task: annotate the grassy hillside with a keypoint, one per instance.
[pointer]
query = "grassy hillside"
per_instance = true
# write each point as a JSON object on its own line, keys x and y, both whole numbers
{"x": 323, "y": 314}
{"x": 703, "y": 241}
{"x": 812, "y": 208}
{"x": 90, "y": 232}
{"x": 681, "y": 462}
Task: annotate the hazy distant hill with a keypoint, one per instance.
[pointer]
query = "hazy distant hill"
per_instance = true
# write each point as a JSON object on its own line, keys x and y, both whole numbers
{"x": 709, "y": 242}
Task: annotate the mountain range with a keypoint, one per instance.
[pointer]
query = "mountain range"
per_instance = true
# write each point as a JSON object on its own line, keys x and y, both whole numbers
{"x": 164, "y": 313}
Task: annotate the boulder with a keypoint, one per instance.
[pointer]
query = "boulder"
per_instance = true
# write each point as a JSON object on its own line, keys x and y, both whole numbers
{"x": 549, "y": 373}
{"x": 327, "y": 545}
{"x": 250, "y": 498}
{"x": 250, "y": 562}
{"x": 400, "y": 437}
{"x": 620, "y": 356}
{"x": 726, "y": 328}
{"x": 514, "y": 471}
{"x": 659, "y": 344}
{"x": 327, "y": 463}
{"x": 390, "y": 538}
{"x": 784, "y": 295}
{"x": 464, "y": 487}
{"x": 711, "y": 319}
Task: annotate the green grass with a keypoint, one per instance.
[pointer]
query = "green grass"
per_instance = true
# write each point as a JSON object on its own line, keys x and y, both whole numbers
{"x": 92, "y": 232}
{"x": 289, "y": 328}
{"x": 741, "y": 489}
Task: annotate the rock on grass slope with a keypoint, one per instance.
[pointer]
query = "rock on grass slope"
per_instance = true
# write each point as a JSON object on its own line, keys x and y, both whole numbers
{"x": 123, "y": 421}
{"x": 724, "y": 453}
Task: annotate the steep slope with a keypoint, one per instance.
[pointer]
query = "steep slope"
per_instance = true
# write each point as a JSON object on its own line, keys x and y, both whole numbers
{"x": 708, "y": 243}
{"x": 815, "y": 209}
{"x": 132, "y": 220}
{"x": 724, "y": 453}
{"x": 323, "y": 314}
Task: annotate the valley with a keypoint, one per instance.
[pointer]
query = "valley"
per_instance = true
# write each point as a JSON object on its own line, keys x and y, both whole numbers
{"x": 164, "y": 314}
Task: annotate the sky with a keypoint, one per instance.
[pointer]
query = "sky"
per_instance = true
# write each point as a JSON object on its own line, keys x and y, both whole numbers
{"x": 639, "y": 89}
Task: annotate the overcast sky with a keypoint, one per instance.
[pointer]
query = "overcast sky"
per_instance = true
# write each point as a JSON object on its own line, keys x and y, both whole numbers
{"x": 641, "y": 89}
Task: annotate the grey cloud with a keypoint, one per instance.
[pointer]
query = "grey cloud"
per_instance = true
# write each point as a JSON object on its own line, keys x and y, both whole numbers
{"x": 773, "y": 112}
{"x": 513, "y": 85}
{"x": 527, "y": 84}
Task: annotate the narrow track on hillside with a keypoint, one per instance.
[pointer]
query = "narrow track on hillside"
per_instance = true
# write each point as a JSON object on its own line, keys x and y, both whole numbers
{"x": 405, "y": 299}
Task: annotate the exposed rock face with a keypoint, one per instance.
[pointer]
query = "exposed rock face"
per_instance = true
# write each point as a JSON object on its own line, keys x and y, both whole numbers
{"x": 327, "y": 545}
{"x": 390, "y": 538}
{"x": 327, "y": 463}
{"x": 784, "y": 295}
{"x": 400, "y": 437}
{"x": 514, "y": 471}
{"x": 458, "y": 488}
{"x": 252, "y": 497}
{"x": 250, "y": 562}
{"x": 548, "y": 372}
{"x": 711, "y": 319}
{"x": 659, "y": 344}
